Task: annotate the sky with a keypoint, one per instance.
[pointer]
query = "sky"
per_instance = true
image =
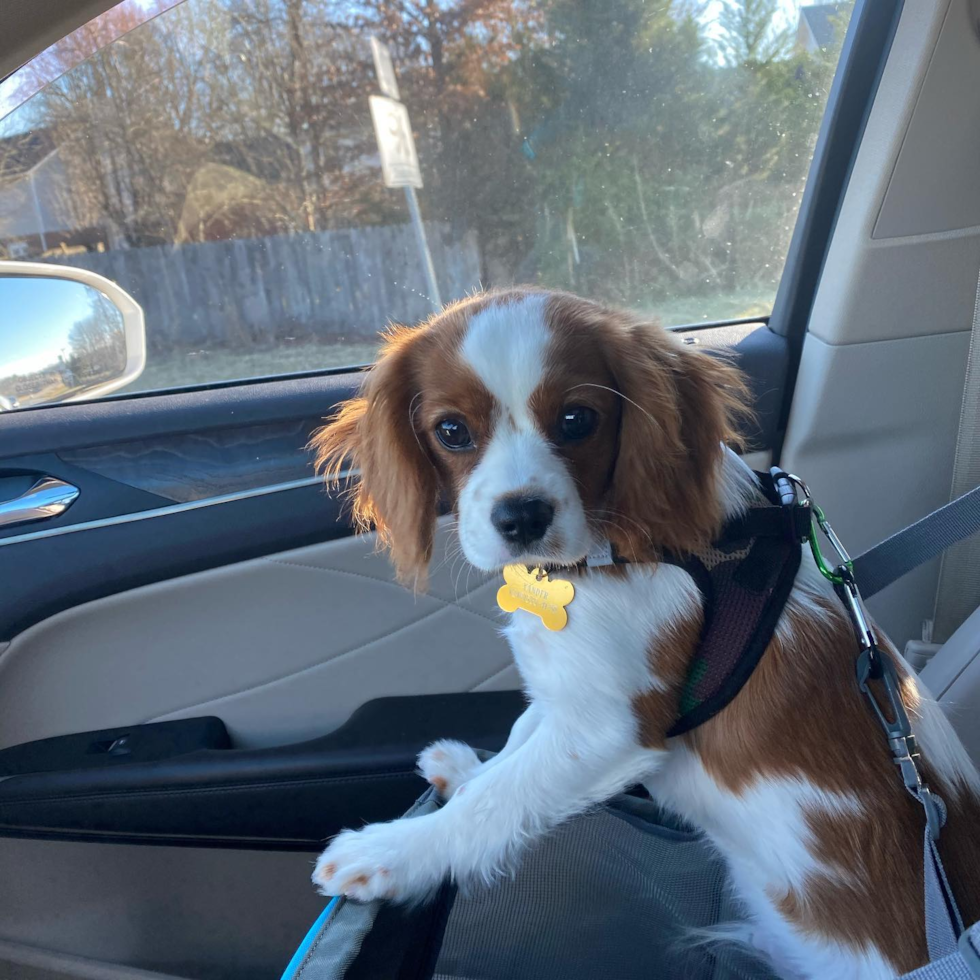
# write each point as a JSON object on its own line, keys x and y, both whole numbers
{"x": 39, "y": 313}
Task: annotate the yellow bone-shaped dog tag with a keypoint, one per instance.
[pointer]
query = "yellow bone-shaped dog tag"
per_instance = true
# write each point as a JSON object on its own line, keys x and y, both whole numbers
{"x": 532, "y": 591}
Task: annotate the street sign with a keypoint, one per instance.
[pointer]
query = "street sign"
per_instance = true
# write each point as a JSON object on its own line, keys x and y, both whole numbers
{"x": 399, "y": 161}
{"x": 384, "y": 69}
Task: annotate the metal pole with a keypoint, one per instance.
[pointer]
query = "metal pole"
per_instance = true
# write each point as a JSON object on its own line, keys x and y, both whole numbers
{"x": 424, "y": 254}
{"x": 37, "y": 214}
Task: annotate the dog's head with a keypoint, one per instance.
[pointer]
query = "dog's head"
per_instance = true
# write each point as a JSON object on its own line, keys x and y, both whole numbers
{"x": 548, "y": 422}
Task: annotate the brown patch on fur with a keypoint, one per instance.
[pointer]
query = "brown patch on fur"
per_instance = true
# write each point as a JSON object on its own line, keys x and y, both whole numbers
{"x": 328, "y": 871}
{"x": 669, "y": 655}
{"x": 357, "y": 880}
{"x": 648, "y": 475}
{"x": 387, "y": 434}
{"x": 806, "y": 687}
{"x": 801, "y": 714}
{"x": 439, "y": 783}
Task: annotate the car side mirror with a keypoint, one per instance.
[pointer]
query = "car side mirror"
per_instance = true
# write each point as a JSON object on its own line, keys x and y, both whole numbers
{"x": 66, "y": 334}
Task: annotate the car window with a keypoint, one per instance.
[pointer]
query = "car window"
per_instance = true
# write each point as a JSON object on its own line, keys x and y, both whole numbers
{"x": 275, "y": 180}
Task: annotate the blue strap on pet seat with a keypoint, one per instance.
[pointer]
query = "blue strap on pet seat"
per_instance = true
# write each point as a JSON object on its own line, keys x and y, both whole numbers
{"x": 293, "y": 968}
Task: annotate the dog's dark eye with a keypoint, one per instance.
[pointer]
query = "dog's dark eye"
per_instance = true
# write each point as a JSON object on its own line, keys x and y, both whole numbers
{"x": 576, "y": 422}
{"x": 453, "y": 434}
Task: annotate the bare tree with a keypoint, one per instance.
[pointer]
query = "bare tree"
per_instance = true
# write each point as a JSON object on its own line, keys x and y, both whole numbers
{"x": 130, "y": 118}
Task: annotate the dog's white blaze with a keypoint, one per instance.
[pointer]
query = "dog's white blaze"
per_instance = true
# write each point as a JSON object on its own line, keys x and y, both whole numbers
{"x": 506, "y": 346}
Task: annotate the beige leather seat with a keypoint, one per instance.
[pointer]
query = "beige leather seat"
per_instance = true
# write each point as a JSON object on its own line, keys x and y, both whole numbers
{"x": 953, "y": 676}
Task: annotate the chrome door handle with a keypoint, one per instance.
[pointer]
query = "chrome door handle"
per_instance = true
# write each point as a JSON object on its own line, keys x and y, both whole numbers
{"x": 46, "y": 499}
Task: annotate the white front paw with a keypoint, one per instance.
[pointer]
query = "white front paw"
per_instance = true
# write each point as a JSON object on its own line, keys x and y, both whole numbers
{"x": 446, "y": 765}
{"x": 384, "y": 860}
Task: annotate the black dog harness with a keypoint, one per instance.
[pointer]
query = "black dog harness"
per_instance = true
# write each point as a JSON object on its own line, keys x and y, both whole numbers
{"x": 745, "y": 578}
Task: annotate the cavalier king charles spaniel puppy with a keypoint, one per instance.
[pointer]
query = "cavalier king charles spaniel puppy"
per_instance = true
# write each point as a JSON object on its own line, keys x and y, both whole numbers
{"x": 553, "y": 426}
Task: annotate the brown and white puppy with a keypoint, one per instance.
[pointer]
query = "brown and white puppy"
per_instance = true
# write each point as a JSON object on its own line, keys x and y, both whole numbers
{"x": 553, "y": 424}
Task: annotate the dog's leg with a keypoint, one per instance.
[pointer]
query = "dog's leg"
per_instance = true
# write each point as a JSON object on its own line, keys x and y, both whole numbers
{"x": 448, "y": 764}
{"x": 558, "y": 771}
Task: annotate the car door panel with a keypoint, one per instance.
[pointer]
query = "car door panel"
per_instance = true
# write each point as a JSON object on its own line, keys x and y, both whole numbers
{"x": 282, "y": 648}
{"x": 248, "y": 604}
{"x": 188, "y": 786}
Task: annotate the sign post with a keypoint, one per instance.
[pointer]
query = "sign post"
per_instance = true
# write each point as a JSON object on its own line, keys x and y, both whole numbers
{"x": 399, "y": 161}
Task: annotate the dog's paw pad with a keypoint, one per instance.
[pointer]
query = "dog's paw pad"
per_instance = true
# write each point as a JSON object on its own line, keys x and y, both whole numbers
{"x": 387, "y": 861}
{"x": 349, "y": 867}
{"x": 446, "y": 765}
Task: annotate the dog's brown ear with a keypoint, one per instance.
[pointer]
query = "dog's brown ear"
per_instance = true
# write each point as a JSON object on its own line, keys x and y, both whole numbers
{"x": 679, "y": 407}
{"x": 374, "y": 434}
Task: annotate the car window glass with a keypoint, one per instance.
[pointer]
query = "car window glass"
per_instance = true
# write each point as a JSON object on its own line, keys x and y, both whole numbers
{"x": 219, "y": 159}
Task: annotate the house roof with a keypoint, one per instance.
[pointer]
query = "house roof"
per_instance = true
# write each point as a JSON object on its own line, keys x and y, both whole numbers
{"x": 24, "y": 151}
{"x": 819, "y": 18}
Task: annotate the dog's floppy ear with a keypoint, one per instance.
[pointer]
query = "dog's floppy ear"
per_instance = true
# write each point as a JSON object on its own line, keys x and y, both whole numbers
{"x": 397, "y": 489}
{"x": 679, "y": 406}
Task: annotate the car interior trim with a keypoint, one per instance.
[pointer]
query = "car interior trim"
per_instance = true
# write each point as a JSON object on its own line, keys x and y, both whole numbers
{"x": 169, "y": 511}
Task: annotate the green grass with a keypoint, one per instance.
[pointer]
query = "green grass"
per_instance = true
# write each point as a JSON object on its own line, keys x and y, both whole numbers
{"x": 179, "y": 368}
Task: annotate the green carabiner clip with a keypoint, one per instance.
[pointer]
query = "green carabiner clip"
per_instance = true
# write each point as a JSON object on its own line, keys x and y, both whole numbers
{"x": 844, "y": 572}
{"x": 833, "y": 574}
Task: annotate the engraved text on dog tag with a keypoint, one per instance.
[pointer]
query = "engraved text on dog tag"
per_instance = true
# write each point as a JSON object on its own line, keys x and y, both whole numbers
{"x": 532, "y": 591}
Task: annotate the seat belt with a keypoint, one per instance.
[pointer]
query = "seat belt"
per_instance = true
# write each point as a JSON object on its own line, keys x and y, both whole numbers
{"x": 958, "y": 593}
{"x": 914, "y": 545}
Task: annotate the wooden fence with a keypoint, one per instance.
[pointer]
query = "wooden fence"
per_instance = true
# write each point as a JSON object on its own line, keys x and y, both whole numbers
{"x": 250, "y": 293}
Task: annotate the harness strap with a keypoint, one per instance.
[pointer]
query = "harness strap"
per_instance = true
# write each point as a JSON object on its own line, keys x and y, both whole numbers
{"x": 745, "y": 578}
{"x": 963, "y": 963}
{"x": 944, "y": 924}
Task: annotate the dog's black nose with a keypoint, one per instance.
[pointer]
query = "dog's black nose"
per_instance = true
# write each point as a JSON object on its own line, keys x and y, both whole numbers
{"x": 522, "y": 520}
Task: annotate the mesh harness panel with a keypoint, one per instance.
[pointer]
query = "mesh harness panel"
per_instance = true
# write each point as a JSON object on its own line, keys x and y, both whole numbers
{"x": 745, "y": 578}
